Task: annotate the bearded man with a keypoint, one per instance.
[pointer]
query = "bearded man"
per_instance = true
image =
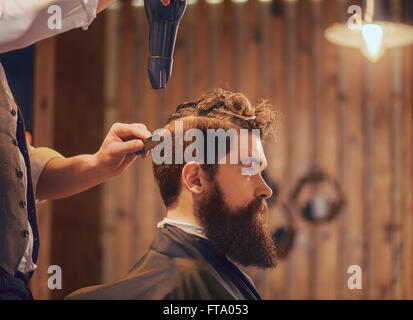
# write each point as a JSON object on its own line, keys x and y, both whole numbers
{"x": 216, "y": 214}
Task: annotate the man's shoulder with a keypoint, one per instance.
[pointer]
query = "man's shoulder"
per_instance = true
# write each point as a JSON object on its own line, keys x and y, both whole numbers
{"x": 172, "y": 268}
{"x": 183, "y": 279}
{"x": 169, "y": 278}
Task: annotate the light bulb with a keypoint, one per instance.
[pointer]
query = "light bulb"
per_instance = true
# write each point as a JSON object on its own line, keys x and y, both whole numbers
{"x": 373, "y": 38}
{"x": 137, "y": 3}
{"x": 214, "y": 1}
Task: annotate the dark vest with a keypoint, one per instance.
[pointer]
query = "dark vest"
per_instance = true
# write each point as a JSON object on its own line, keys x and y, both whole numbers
{"x": 15, "y": 210}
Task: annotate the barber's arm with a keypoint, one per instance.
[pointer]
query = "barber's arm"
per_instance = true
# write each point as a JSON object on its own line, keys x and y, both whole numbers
{"x": 24, "y": 22}
{"x": 62, "y": 177}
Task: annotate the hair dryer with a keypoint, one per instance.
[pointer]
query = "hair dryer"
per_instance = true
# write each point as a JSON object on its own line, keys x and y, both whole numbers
{"x": 163, "y": 26}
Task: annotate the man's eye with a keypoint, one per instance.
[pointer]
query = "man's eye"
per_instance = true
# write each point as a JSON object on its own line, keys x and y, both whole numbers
{"x": 248, "y": 171}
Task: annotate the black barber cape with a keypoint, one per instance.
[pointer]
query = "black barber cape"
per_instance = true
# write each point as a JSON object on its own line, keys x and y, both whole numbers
{"x": 178, "y": 266}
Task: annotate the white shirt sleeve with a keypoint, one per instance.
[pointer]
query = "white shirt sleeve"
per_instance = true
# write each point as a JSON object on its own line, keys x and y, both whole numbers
{"x": 23, "y": 22}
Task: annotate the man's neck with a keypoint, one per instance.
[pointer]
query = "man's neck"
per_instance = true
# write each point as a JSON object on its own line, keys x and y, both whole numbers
{"x": 180, "y": 215}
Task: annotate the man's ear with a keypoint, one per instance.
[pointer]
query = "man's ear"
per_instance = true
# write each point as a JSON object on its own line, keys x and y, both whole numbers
{"x": 193, "y": 177}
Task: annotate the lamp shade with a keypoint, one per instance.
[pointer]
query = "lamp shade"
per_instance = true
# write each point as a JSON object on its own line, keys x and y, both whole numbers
{"x": 394, "y": 35}
{"x": 373, "y": 38}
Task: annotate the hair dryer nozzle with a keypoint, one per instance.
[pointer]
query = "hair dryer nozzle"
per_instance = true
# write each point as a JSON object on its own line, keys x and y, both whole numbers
{"x": 159, "y": 70}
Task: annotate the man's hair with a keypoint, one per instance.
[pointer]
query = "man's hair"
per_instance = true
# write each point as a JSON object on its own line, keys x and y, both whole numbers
{"x": 208, "y": 113}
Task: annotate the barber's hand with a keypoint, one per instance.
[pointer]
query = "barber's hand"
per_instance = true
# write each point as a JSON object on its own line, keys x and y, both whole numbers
{"x": 118, "y": 149}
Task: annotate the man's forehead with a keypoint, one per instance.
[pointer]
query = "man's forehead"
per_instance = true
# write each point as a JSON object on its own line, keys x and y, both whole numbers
{"x": 252, "y": 143}
{"x": 261, "y": 161}
{"x": 253, "y": 147}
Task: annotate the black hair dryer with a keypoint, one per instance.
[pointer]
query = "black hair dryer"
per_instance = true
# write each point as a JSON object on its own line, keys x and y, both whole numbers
{"x": 163, "y": 26}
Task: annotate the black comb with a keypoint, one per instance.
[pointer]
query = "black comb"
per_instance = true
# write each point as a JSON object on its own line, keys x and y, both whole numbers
{"x": 148, "y": 144}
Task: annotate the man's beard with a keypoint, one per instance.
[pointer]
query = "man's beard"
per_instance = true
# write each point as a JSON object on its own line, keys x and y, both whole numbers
{"x": 242, "y": 235}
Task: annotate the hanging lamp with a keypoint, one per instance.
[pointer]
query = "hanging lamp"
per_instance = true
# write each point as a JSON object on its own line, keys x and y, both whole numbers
{"x": 371, "y": 37}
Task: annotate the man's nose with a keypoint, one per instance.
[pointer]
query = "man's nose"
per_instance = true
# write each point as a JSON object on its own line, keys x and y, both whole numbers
{"x": 263, "y": 191}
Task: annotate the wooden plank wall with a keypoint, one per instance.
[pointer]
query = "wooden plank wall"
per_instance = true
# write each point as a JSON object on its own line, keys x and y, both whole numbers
{"x": 350, "y": 161}
{"x": 406, "y": 160}
{"x": 336, "y": 111}
{"x": 43, "y": 129}
{"x": 71, "y": 238}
